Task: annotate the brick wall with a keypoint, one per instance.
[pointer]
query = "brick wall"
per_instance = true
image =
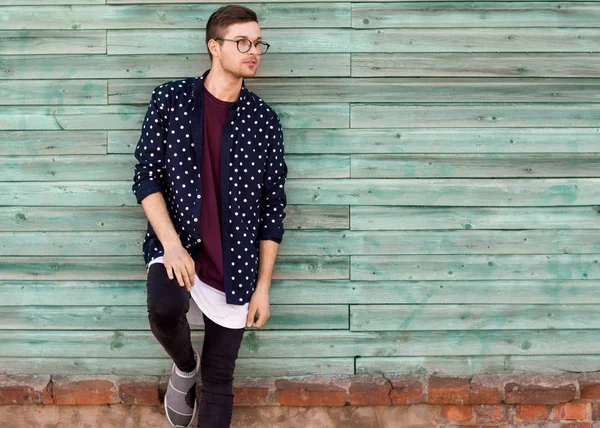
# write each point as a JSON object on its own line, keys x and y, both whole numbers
{"x": 567, "y": 400}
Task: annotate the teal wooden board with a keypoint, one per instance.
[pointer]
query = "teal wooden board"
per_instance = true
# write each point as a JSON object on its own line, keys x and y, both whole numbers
{"x": 474, "y": 165}
{"x": 76, "y": 92}
{"x": 390, "y": 89}
{"x": 49, "y": 2}
{"x": 45, "y": 42}
{"x": 369, "y": 191}
{"x": 68, "y": 219}
{"x": 475, "y": 14}
{"x": 448, "y": 218}
{"x": 485, "y": 64}
{"x": 175, "y": 16}
{"x": 476, "y": 267}
{"x": 132, "y": 268}
{"x": 121, "y": 167}
{"x": 161, "y": 366}
{"x": 307, "y": 343}
{"x": 168, "y": 67}
{"x": 446, "y": 192}
{"x": 471, "y": 317}
{"x": 322, "y": 292}
{"x": 33, "y": 143}
{"x": 478, "y": 365}
{"x": 292, "y": 40}
{"x": 326, "y": 243}
{"x": 480, "y": 115}
{"x": 122, "y": 117}
{"x": 417, "y": 140}
{"x": 282, "y": 317}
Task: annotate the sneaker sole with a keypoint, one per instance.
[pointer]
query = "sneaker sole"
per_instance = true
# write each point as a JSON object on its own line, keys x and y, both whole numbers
{"x": 193, "y": 414}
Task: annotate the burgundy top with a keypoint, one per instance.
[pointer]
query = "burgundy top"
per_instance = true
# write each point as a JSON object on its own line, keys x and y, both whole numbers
{"x": 209, "y": 262}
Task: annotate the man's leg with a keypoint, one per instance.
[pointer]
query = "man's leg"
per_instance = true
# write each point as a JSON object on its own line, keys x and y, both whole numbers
{"x": 168, "y": 304}
{"x": 219, "y": 353}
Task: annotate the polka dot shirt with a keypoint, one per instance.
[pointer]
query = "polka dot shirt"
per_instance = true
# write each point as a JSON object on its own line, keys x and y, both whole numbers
{"x": 253, "y": 176}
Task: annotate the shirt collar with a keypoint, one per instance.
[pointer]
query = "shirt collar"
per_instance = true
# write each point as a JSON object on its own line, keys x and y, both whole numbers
{"x": 199, "y": 88}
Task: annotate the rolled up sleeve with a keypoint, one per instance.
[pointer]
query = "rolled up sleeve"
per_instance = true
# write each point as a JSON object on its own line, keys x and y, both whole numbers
{"x": 274, "y": 198}
{"x": 150, "y": 151}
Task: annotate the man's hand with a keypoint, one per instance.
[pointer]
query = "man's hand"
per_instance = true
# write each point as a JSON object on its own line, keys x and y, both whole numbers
{"x": 180, "y": 264}
{"x": 259, "y": 302}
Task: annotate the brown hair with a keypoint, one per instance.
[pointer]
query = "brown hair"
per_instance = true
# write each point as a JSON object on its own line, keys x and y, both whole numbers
{"x": 223, "y": 18}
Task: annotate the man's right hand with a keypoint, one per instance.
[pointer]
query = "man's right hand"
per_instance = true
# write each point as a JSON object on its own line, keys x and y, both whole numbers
{"x": 180, "y": 264}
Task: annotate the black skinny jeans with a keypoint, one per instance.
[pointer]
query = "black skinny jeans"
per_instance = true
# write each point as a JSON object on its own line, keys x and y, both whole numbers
{"x": 168, "y": 304}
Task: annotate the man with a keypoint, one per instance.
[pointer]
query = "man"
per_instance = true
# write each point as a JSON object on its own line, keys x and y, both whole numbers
{"x": 210, "y": 177}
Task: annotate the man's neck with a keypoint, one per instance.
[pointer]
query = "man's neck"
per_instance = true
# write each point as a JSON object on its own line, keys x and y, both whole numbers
{"x": 223, "y": 85}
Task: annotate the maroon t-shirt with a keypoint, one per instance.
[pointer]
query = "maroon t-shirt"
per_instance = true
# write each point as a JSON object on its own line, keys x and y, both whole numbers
{"x": 209, "y": 262}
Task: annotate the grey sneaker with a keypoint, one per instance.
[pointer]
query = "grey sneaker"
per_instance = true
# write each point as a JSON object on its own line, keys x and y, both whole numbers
{"x": 180, "y": 400}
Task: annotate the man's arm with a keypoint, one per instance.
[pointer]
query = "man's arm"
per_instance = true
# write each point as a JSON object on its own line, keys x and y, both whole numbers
{"x": 148, "y": 188}
{"x": 272, "y": 213}
{"x": 267, "y": 253}
{"x": 273, "y": 203}
{"x": 177, "y": 260}
{"x": 274, "y": 199}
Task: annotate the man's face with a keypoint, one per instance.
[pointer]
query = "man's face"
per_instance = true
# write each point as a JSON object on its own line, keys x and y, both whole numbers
{"x": 231, "y": 59}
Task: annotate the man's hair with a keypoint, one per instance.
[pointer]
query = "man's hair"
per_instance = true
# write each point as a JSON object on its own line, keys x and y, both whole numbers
{"x": 223, "y": 18}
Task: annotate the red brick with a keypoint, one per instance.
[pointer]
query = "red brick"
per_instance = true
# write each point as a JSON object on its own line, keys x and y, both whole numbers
{"x": 532, "y": 412}
{"x": 538, "y": 394}
{"x": 448, "y": 390}
{"x": 375, "y": 392}
{"x": 490, "y": 414}
{"x": 251, "y": 396}
{"x": 406, "y": 390}
{"x": 576, "y": 425}
{"x": 485, "y": 395}
{"x": 573, "y": 411}
{"x": 139, "y": 392}
{"x": 457, "y": 413}
{"x": 296, "y": 393}
{"x": 595, "y": 411}
{"x": 589, "y": 390}
{"x": 95, "y": 391}
{"x": 24, "y": 389}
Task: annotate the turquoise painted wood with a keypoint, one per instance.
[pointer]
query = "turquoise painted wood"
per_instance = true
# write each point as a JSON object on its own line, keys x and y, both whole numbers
{"x": 443, "y": 188}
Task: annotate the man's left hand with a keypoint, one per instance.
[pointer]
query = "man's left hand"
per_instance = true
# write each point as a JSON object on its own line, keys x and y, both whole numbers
{"x": 259, "y": 302}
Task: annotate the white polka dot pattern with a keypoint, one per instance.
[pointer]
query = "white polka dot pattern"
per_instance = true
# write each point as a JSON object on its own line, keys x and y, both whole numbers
{"x": 253, "y": 176}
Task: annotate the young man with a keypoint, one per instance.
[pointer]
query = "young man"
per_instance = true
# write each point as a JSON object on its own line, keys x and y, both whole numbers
{"x": 210, "y": 177}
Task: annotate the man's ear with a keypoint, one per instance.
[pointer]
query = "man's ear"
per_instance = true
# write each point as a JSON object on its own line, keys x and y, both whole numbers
{"x": 213, "y": 47}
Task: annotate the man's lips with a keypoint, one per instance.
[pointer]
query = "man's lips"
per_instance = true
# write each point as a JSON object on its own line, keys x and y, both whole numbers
{"x": 250, "y": 62}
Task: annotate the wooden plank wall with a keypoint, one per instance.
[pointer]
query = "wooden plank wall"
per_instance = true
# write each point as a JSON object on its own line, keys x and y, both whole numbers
{"x": 444, "y": 184}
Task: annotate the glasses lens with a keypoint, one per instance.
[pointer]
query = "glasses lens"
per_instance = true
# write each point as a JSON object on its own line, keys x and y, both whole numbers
{"x": 263, "y": 48}
{"x": 244, "y": 45}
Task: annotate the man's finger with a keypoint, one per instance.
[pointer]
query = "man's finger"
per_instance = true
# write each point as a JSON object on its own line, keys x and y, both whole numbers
{"x": 186, "y": 278}
{"x": 191, "y": 271}
{"x": 250, "y": 318}
{"x": 179, "y": 276}
{"x": 169, "y": 271}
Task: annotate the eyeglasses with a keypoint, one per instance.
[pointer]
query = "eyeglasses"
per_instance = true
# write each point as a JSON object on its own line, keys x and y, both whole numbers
{"x": 244, "y": 45}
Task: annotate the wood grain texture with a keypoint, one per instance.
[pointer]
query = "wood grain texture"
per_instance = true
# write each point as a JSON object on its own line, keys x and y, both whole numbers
{"x": 443, "y": 189}
{"x": 322, "y": 291}
{"x": 390, "y": 90}
{"x": 482, "y": 64}
{"x": 169, "y": 66}
{"x": 175, "y": 16}
{"x": 49, "y": 218}
{"x": 326, "y": 243}
{"x": 44, "y": 42}
{"x": 160, "y": 366}
{"x": 481, "y": 14}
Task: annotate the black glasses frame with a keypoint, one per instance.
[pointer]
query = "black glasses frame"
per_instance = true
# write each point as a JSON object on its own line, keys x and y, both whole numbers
{"x": 265, "y": 44}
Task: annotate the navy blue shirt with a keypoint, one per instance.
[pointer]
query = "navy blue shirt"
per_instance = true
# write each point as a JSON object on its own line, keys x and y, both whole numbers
{"x": 253, "y": 176}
